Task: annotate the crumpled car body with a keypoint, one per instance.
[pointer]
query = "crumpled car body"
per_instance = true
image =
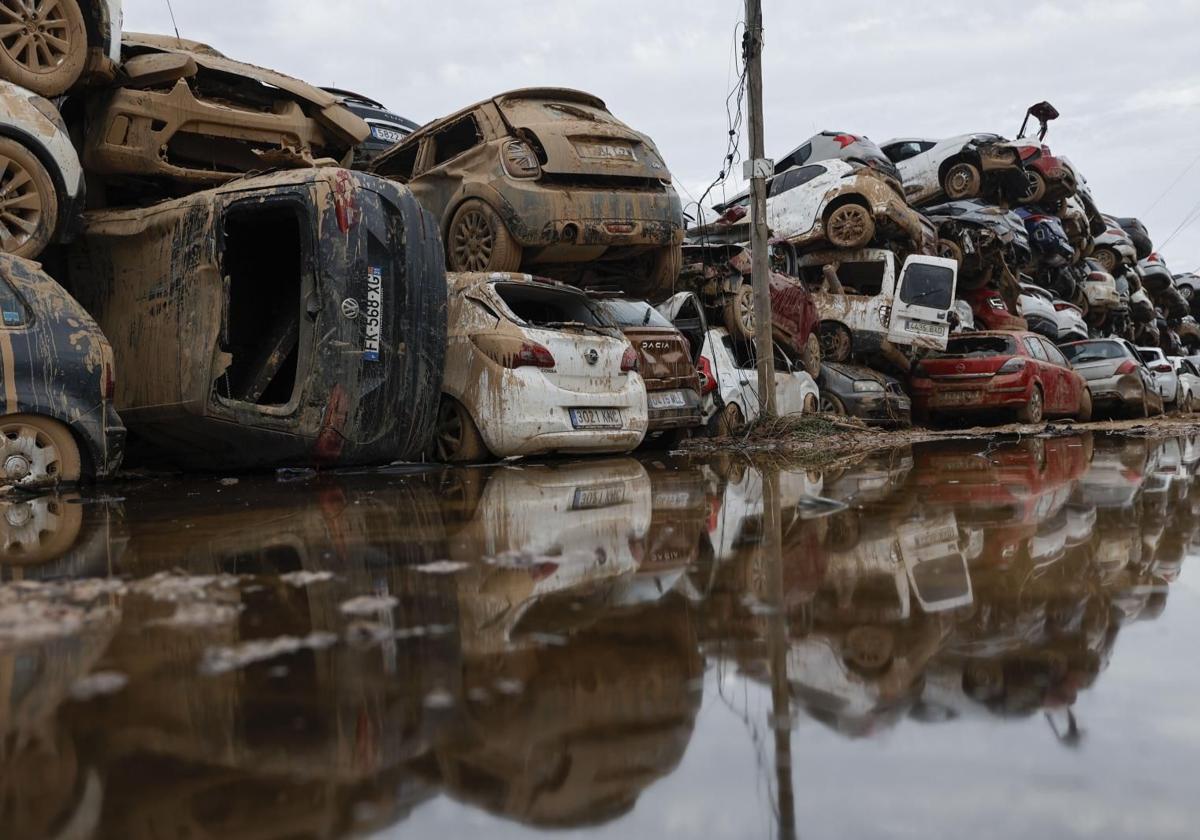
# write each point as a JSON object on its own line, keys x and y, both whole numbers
{"x": 966, "y": 166}
{"x": 80, "y": 40}
{"x": 1156, "y": 277}
{"x": 291, "y": 319}
{"x": 979, "y": 233}
{"x": 1049, "y": 178}
{"x": 991, "y": 312}
{"x": 1050, "y": 244}
{"x": 1114, "y": 247}
{"x": 57, "y": 366}
{"x": 543, "y": 179}
{"x": 840, "y": 145}
{"x": 865, "y": 393}
{"x": 186, "y": 114}
{"x": 41, "y": 180}
{"x": 387, "y": 128}
{"x": 1100, "y": 291}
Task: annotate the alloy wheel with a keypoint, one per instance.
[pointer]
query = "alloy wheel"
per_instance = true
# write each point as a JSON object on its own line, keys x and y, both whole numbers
{"x": 473, "y": 241}
{"x": 21, "y": 204}
{"x": 35, "y": 33}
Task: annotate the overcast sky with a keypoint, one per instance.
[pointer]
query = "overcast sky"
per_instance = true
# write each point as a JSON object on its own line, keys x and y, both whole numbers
{"x": 1125, "y": 75}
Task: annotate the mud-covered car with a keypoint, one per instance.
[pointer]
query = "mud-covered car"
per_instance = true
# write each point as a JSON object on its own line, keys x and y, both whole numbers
{"x": 667, "y": 364}
{"x": 1114, "y": 248}
{"x": 1048, "y": 240}
{"x": 535, "y": 367}
{"x": 839, "y": 145}
{"x": 991, "y": 312}
{"x": 977, "y": 234}
{"x": 387, "y": 128}
{"x": 41, "y": 181}
{"x": 1137, "y": 232}
{"x": 861, "y": 392}
{"x": 1048, "y": 178}
{"x": 1118, "y": 378}
{"x": 184, "y": 114}
{"x": 58, "y": 376}
{"x": 48, "y": 46}
{"x": 549, "y": 180}
{"x": 966, "y": 166}
{"x": 288, "y": 319}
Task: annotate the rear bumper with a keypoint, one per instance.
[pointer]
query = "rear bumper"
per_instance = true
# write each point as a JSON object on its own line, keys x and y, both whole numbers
{"x": 689, "y": 416}
{"x": 1000, "y": 392}
{"x": 1116, "y": 390}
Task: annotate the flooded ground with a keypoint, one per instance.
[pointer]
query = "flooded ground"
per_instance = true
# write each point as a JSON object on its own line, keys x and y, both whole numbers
{"x": 951, "y": 640}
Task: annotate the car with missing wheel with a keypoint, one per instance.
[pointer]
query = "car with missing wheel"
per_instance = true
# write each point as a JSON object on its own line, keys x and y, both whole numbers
{"x": 50, "y": 46}
{"x": 966, "y": 166}
{"x": 535, "y": 367}
{"x": 41, "y": 179}
{"x": 859, "y": 391}
{"x": 58, "y": 376}
{"x": 1017, "y": 373}
{"x": 549, "y": 181}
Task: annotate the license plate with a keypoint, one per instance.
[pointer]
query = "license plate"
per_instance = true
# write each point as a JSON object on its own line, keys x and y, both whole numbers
{"x": 602, "y": 496}
{"x": 672, "y": 501}
{"x": 956, "y": 398}
{"x": 927, "y": 328}
{"x": 605, "y": 151}
{"x": 667, "y": 399}
{"x": 596, "y": 418}
{"x": 387, "y": 135}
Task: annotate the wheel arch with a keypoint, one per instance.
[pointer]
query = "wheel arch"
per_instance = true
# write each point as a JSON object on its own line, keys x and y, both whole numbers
{"x": 89, "y": 453}
{"x": 841, "y": 201}
{"x": 965, "y": 156}
{"x": 496, "y": 201}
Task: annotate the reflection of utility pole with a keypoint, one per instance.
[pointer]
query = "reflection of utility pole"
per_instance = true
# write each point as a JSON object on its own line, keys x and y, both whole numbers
{"x": 777, "y": 643}
{"x": 759, "y": 170}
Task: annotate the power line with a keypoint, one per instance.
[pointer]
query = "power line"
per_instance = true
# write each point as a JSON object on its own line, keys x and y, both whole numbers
{"x": 1172, "y": 185}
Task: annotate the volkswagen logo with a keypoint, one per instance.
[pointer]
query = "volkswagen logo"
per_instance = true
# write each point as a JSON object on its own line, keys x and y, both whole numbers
{"x": 350, "y": 308}
{"x": 592, "y": 357}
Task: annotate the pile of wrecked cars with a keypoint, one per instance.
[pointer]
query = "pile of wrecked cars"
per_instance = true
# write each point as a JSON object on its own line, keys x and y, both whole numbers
{"x": 239, "y": 270}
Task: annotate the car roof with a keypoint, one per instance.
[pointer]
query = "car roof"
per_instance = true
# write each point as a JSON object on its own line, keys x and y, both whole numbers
{"x": 558, "y": 94}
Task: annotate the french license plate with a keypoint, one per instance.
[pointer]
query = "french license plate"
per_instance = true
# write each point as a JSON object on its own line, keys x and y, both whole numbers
{"x": 605, "y": 151}
{"x": 601, "y": 496}
{"x": 667, "y": 399}
{"x": 387, "y": 135}
{"x": 956, "y": 398}
{"x": 596, "y": 418}
{"x": 927, "y": 328}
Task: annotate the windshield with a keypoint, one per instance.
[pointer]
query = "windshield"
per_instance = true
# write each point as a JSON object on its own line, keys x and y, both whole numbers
{"x": 633, "y": 313}
{"x": 978, "y": 347}
{"x": 1093, "y": 351}
{"x": 931, "y": 286}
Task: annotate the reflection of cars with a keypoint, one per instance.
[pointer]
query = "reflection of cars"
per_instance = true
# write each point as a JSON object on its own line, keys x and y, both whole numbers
{"x": 46, "y": 47}
{"x": 862, "y": 392}
{"x": 543, "y": 177}
{"x": 1166, "y": 380}
{"x": 732, "y": 366}
{"x": 41, "y": 181}
{"x": 957, "y": 167}
{"x": 1048, "y": 178}
{"x": 1189, "y": 383}
{"x": 535, "y": 367}
{"x": 59, "y": 423}
{"x": 387, "y": 128}
{"x": 989, "y": 371}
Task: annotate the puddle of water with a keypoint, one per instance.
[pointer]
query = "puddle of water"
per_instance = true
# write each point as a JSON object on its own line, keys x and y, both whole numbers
{"x": 952, "y": 640}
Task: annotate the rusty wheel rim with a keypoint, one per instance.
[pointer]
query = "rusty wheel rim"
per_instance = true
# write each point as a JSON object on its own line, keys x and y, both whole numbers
{"x": 1035, "y": 406}
{"x": 35, "y": 33}
{"x": 1107, "y": 259}
{"x": 27, "y": 455}
{"x": 449, "y": 432}
{"x": 473, "y": 241}
{"x": 21, "y": 205}
{"x": 848, "y": 224}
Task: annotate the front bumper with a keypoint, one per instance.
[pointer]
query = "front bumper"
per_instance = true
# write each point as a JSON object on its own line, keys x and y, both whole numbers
{"x": 881, "y": 409}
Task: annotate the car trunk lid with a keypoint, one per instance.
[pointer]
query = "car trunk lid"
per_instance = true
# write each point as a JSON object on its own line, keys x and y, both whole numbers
{"x": 665, "y": 357}
{"x": 584, "y": 362}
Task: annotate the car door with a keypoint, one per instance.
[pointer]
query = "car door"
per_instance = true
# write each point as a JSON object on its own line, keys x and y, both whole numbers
{"x": 792, "y": 211}
{"x": 1046, "y": 374}
{"x": 1071, "y": 383}
{"x": 922, "y": 302}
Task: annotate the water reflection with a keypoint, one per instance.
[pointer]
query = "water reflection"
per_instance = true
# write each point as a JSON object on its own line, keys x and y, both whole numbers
{"x": 346, "y": 654}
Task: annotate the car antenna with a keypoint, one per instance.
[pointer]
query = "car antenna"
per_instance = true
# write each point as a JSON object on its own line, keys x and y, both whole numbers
{"x": 174, "y": 24}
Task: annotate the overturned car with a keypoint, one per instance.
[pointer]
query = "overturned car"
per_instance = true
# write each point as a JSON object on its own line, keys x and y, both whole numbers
{"x": 289, "y": 319}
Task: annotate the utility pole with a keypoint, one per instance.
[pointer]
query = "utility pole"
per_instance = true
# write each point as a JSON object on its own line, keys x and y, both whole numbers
{"x": 758, "y": 170}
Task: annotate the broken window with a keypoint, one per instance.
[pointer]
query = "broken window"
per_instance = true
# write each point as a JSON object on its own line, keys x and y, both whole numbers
{"x": 539, "y": 306}
{"x": 263, "y": 268}
{"x": 399, "y": 165}
{"x": 978, "y": 346}
{"x": 862, "y": 278}
{"x": 634, "y": 313}
{"x": 454, "y": 139}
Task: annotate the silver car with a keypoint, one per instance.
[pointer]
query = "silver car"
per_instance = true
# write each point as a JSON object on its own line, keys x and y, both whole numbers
{"x": 1116, "y": 375}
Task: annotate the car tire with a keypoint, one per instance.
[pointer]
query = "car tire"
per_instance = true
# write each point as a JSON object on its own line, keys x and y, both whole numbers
{"x": 962, "y": 180}
{"x": 1033, "y": 412}
{"x": 849, "y": 226}
{"x": 1189, "y": 404}
{"x": 837, "y": 345}
{"x": 664, "y": 271}
{"x": 1035, "y": 189}
{"x": 457, "y": 439}
{"x": 811, "y": 357}
{"x": 28, "y": 201}
{"x": 40, "y": 529}
{"x": 727, "y": 422}
{"x": 37, "y": 451}
{"x": 832, "y": 405}
{"x": 950, "y": 250}
{"x": 22, "y": 53}
{"x": 812, "y": 405}
{"x": 738, "y": 314}
{"x": 478, "y": 240}
{"x": 1084, "y": 415}
{"x": 1107, "y": 257}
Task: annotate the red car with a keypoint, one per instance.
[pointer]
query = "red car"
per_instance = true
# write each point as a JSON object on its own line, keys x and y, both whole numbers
{"x": 990, "y": 311}
{"x": 999, "y": 371}
{"x": 1050, "y": 178}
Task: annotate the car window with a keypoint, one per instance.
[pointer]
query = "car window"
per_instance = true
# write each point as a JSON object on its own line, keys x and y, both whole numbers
{"x": 1148, "y": 356}
{"x": 1053, "y": 355}
{"x": 12, "y": 309}
{"x": 928, "y": 285}
{"x": 796, "y": 158}
{"x": 456, "y": 138}
{"x": 794, "y": 178}
{"x": 550, "y": 307}
{"x": 902, "y": 151}
{"x": 980, "y": 346}
{"x": 399, "y": 166}
{"x": 1034, "y": 346}
{"x": 634, "y": 313}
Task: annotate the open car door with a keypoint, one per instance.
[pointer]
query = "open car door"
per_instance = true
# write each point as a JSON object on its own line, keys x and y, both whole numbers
{"x": 686, "y": 313}
{"x": 936, "y": 567}
{"x": 923, "y": 302}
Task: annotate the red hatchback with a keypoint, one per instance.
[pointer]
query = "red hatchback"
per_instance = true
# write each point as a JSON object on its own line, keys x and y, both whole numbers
{"x": 999, "y": 371}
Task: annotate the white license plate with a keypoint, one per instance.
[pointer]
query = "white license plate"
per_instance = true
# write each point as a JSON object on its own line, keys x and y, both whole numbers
{"x": 667, "y": 399}
{"x": 602, "y": 496}
{"x": 596, "y": 418}
{"x": 387, "y": 135}
{"x": 927, "y": 328}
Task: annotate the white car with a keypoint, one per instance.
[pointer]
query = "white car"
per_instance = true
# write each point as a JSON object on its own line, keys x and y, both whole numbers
{"x": 731, "y": 365}
{"x": 535, "y": 368}
{"x": 41, "y": 179}
{"x": 956, "y": 167}
{"x": 1165, "y": 378}
{"x": 1189, "y": 383}
{"x": 1056, "y": 319}
{"x": 48, "y": 46}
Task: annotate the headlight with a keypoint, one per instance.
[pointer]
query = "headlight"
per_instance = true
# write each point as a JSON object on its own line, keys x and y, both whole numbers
{"x": 520, "y": 161}
{"x": 866, "y": 386}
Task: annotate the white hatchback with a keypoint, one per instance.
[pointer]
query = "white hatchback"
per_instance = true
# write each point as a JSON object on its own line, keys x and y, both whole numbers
{"x": 732, "y": 366}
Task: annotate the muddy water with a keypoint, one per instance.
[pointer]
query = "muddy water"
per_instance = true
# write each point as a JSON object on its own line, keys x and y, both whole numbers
{"x": 963, "y": 640}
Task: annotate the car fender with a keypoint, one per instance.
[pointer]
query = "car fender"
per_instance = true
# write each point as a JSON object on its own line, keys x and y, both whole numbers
{"x": 493, "y": 198}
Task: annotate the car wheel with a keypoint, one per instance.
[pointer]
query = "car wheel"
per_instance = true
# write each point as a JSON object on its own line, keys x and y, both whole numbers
{"x": 850, "y": 226}
{"x": 43, "y": 45}
{"x": 728, "y": 422}
{"x": 664, "y": 273}
{"x": 870, "y": 648}
{"x": 37, "y": 452}
{"x": 38, "y": 530}
{"x": 962, "y": 181}
{"x": 28, "y": 201}
{"x": 1084, "y": 415}
{"x": 950, "y": 250}
{"x": 832, "y": 405}
{"x": 1107, "y": 258}
{"x": 739, "y": 313}
{"x": 457, "y": 437}
{"x": 1033, "y": 411}
{"x": 1035, "y": 187}
{"x": 479, "y": 240}
{"x": 811, "y": 357}
{"x": 836, "y": 343}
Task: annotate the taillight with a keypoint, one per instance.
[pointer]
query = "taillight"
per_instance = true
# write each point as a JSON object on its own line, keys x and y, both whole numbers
{"x": 1011, "y": 366}
{"x": 1127, "y": 367}
{"x": 1162, "y": 368}
{"x": 513, "y": 353}
{"x": 520, "y": 160}
{"x": 706, "y": 372}
{"x": 1067, "y": 307}
{"x": 629, "y": 361}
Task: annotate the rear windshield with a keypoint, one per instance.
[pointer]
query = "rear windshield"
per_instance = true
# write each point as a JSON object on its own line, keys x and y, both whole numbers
{"x": 545, "y": 307}
{"x": 928, "y": 285}
{"x": 979, "y": 346}
{"x": 1093, "y": 351}
{"x": 633, "y": 313}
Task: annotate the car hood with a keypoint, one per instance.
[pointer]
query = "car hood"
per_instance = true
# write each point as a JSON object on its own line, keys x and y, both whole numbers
{"x": 1004, "y": 223}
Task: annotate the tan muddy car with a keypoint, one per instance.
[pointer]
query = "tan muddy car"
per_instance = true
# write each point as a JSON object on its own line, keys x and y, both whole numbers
{"x": 545, "y": 180}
